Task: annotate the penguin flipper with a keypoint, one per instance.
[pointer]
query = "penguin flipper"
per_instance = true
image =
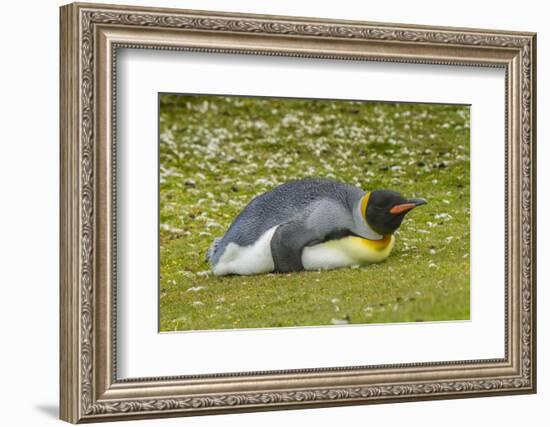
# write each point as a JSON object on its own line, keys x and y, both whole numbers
{"x": 212, "y": 249}
{"x": 287, "y": 245}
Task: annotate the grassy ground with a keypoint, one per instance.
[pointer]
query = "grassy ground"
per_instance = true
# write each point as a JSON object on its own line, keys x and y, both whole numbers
{"x": 217, "y": 153}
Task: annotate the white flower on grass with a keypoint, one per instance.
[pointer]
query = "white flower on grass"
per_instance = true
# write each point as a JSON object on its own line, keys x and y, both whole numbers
{"x": 213, "y": 224}
{"x": 289, "y": 119}
{"x": 260, "y": 124}
{"x": 187, "y": 273}
{"x": 195, "y": 288}
{"x": 263, "y": 181}
{"x": 170, "y": 229}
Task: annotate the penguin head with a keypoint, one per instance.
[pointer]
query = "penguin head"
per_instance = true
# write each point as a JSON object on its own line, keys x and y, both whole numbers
{"x": 386, "y": 209}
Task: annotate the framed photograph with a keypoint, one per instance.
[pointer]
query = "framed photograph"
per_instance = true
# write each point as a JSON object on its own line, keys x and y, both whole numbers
{"x": 267, "y": 212}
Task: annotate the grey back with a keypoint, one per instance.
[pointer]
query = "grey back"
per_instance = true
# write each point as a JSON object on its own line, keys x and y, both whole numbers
{"x": 282, "y": 204}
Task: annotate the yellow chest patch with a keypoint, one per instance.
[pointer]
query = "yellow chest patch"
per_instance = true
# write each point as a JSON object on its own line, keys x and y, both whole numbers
{"x": 346, "y": 252}
{"x": 364, "y": 250}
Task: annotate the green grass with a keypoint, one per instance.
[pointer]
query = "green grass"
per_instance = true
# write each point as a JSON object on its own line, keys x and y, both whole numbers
{"x": 217, "y": 153}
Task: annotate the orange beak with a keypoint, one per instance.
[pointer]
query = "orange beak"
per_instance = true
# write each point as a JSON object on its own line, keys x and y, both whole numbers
{"x": 405, "y": 207}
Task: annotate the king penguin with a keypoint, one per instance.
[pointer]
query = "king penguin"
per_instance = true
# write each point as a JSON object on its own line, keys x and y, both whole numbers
{"x": 310, "y": 224}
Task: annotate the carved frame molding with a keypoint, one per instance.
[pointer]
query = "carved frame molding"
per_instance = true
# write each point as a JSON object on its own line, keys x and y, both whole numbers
{"x": 90, "y": 37}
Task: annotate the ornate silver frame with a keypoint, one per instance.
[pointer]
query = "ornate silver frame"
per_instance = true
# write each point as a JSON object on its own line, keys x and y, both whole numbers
{"x": 90, "y": 36}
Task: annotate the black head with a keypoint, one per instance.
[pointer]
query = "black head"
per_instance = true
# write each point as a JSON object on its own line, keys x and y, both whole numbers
{"x": 386, "y": 209}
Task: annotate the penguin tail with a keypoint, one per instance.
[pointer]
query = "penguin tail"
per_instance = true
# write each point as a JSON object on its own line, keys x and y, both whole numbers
{"x": 212, "y": 249}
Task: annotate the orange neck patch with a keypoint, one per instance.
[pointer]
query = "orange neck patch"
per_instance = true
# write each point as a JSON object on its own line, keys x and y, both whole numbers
{"x": 382, "y": 243}
{"x": 375, "y": 244}
{"x": 364, "y": 202}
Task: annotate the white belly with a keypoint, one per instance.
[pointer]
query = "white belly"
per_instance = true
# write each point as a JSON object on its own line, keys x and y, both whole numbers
{"x": 345, "y": 252}
{"x": 247, "y": 260}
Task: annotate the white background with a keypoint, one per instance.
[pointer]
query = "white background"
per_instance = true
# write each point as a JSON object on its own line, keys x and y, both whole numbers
{"x": 29, "y": 171}
{"x": 145, "y": 353}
